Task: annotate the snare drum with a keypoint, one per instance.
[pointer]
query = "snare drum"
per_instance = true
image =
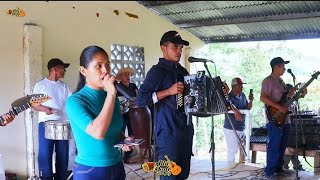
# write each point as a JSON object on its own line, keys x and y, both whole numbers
{"x": 57, "y": 130}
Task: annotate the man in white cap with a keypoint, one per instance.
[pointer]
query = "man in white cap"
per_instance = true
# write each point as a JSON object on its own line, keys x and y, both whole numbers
{"x": 123, "y": 76}
{"x": 239, "y": 102}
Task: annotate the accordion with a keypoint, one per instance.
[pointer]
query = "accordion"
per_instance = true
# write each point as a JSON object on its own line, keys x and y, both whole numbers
{"x": 202, "y": 97}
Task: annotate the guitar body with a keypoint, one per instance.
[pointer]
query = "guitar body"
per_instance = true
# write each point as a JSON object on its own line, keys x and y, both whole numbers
{"x": 275, "y": 116}
{"x": 175, "y": 169}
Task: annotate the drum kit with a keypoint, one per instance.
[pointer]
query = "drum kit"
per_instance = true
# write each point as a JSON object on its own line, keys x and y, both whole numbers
{"x": 54, "y": 129}
{"x": 140, "y": 120}
{"x": 59, "y": 130}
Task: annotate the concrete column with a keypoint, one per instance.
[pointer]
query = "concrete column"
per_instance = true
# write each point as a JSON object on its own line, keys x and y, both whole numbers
{"x": 32, "y": 56}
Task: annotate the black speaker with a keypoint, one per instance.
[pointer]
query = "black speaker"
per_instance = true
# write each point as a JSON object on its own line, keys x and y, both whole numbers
{"x": 308, "y": 133}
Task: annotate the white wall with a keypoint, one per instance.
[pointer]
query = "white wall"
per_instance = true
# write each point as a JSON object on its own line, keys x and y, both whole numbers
{"x": 66, "y": 32}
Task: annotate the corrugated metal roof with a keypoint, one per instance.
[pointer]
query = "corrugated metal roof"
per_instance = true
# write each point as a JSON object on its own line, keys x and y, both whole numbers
{"x": 235, "y": 21}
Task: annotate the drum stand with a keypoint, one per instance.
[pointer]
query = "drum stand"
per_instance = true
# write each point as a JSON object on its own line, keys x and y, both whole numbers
{"x": 70, "y": 176}
{"x": 133, "y": 170}
{"x": 32, "y": 154}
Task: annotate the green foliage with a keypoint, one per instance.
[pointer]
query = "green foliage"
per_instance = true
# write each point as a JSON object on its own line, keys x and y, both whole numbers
{"x": 250, "y": 61}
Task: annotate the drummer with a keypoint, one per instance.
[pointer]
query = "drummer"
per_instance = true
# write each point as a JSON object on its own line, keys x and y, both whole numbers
{"x": 123, "y": 76}
{"x": 54, "y": 109}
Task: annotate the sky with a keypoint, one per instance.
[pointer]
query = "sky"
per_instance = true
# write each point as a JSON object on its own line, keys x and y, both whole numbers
{"x": 309, "y": 47}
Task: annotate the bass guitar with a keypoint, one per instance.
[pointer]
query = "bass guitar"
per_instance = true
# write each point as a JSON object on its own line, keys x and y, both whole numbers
{"x": 24, "y": 103}
{"x": 279, "y": 118}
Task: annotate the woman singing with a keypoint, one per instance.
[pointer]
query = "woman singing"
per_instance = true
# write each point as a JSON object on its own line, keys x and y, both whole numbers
{"x": 95, "y": 118}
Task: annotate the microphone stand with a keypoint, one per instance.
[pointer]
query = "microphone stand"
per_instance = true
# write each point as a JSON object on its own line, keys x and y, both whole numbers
{"x": 294, "y": 80}
{"x": 212, "y": 148}
{"x": 296, "y": 130}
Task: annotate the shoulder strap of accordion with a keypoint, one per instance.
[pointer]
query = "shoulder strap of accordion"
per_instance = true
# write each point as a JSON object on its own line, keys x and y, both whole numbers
{"x": 164, "y": 67}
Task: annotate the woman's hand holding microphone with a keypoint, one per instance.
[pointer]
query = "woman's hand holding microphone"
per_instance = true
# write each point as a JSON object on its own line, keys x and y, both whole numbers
{"x": 108, "y": 84}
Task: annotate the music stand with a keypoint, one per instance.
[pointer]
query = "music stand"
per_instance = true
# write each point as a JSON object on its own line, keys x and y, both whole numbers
{"x": 133, "y": 170}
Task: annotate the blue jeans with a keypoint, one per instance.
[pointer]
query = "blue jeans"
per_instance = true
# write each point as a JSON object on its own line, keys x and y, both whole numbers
{"x": 46, "y": 147}
{"x": 276, "y": 146}
{"x": 83, "y": 172}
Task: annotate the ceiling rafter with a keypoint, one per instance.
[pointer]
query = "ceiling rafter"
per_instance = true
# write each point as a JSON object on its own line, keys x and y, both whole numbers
{"x": 151, "y": 4}
{"x": 242, "y": 20}
{"x": 261, "y": 38}
{"x": 213, "y": 9}
{"x": 236, "y": 21}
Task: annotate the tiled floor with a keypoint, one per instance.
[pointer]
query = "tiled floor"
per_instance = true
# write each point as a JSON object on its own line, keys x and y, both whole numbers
{"x": 201, "y": 169}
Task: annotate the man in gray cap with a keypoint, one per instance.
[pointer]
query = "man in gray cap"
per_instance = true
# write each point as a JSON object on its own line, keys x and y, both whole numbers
{"x": 273, "y": 90}
{"x": 53, "y": 110}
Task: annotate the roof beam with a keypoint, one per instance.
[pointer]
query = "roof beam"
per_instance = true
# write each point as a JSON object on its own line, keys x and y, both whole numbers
{"x": 273, "y": 38}
{"x": 155, "y": 4}
{"x": 243, "y": 20}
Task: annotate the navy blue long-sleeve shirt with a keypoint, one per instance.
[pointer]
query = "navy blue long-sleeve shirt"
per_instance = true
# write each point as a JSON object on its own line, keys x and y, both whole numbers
{"x": 160, "y": 77}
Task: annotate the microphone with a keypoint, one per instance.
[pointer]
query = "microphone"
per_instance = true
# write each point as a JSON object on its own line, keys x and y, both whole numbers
{"x": 290, "y": 72}
{"x": 123, "y": 91}
{"x": 193, "y": 59}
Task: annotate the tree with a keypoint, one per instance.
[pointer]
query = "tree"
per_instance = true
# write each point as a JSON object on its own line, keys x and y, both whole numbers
{"x": 250, "y": 61}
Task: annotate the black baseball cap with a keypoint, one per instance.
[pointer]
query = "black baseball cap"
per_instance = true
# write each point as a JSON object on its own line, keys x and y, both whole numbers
{"x": 173, "y": 37}
{"x": 277, "y": 60}
{"x": 56, "y": 62}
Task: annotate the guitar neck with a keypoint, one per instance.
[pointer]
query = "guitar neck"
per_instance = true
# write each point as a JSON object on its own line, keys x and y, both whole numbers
{"x": 167, "y": 158}
{"x": 24, "y": 103}
{"x": 15, "y": 111}
{"x": 298, "y": 93}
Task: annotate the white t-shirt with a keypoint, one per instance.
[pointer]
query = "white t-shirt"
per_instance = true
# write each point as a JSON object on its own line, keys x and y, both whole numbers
{"x": 59, "y": 92}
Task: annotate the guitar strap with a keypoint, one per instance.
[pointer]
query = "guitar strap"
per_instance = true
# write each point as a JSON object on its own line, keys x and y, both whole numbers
{"x": 283, "y": 84}
{"x": 284, "y": 95}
